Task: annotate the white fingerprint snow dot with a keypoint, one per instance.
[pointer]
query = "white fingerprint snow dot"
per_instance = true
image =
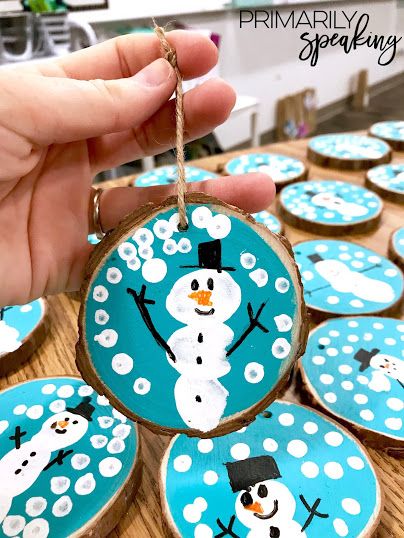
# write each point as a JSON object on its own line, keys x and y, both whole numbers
{"x": 332, "y": 299}
{"x": 162, "y": 229}
{"x": 394, "y": 423}
{"x": 100, "y": 294}
{"x": 351, "y": 506}
{"x": 345, "y": 369}
{"x": 201, "y": 504}
{"x": 248, "y": 260}
{"x": 333, "y": 438}
{"x": 219, "y": 226}
{"x": 310, "y": 427}
{"x": 12, "y": 525}
{"x": 282, "y": 284}
{"x": 340, "y": 527}
{"x": 286, "y": 419}
{"x": 333, "y": 470}
{"x": 362, "y": 379}
{"x": 356, "y": 303}
{"x": 116, "y": 446}
{"x": 85, "y": 484}
{"x": 101, "y": 317}
{"x": 283, "y": 323}
{"x": 114, "y": 275}
{"x": 57, "y": 406}
{"x": 59, "y": 484}
{"x": 361, "y": 399}
{"x": 35, "y": 506}
{"x": 254, "y": 372}
{"x": 240, "y": 451}
{"x": 107, "y": 338}
{"x": 259, "y": 276}
{"x": 133, "y": 264}
{"x": 280, "y": 348}
{"x": 297, "y": 448}
{"x": 62, "y": 507}
{"x": 201, "y": 216}
{"x": 85, "y": 390}
{"x": 146, "y": 252}
{"x": 121, "y": 430}
{"x": 26, "y": 308}
{"x": 19, "y": 409}
{"x": 307, "y": 275}
{"x": 143, "y": 236}
{"x": 170, "y": 247}
{"x": 110, "y": 467}
{"x": 270, "y": 445}
{"x": 49, "y": 388}
{"x": 356, "y": 463}
{"x": 324, "y": 341}
{"x": 309, "y": 469}
{"x": 318, "y": 360}
{"x": 205, "y": 445}
{"x": 367, "y": 414}
{"x": 102, "y": 400}
{"x": 210, "y": 478}
{"x": 80, "y": 461}
{"x": 65, "y": 391}
{"x": 191, "y": 513}
{"x": 154, "y": 270}
{"x": 396, "y": 404}
{"x": 182, "y": 463}
{"x": 35, "y": 412}
{"x": 98, "y": 441}
{"x": 141, "y": 386}
{"x": 122, "y": 363}
{"x": 330, "y": 397}
{"x": 184, "y": 245}
{"x": 203, "y": 531}
{"x": 326, "y": 379}
{"x": 321, "y": 248}
{"x": 37, "y": 528}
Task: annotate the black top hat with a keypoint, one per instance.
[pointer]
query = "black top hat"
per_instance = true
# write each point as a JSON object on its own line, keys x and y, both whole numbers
{"x": 84, "y": 409}
{"x": 246, "y": 473}
{"x": 364, "y": 357}
{"x": 210, "y": 257}
{"x": 315, "y": 258}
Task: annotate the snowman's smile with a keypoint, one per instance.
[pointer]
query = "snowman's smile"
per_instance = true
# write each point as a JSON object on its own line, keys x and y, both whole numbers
{"x": 203, "y": 313}
{"x": 271, "y": 514}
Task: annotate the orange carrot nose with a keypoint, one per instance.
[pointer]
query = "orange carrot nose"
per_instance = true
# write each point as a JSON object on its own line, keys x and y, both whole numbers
{"x": 63, "y": 423}
{"x": 255, "y": 507}
{"x": 202, "y": 297}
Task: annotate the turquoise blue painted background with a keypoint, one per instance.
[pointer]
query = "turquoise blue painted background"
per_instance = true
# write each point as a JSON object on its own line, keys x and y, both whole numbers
{"x": 85, "y": 507}
{"x": 398, "y": 241}
{"x": 283, "y": 168}
{"x": 318, "y": 299}
{"x": 24, "y": 322}
{"x": 167, "y": 175}
{"x": 294, "y": 198}
{"x": 360, "y": 147}
{"x": 150, "y": 361}
{"x": 371, "y": 333}
{"x": 386, "y": 176}
{"x": 183, "y": 487}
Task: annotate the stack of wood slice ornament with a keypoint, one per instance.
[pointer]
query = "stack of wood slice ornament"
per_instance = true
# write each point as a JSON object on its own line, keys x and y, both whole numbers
{"x": 292, "y": 473}
{"x": 69, "y": 462}
{"x": 22, "y": 330}
{"x": 330, "y": 207}
{"x": 341, "y": 278}
{"x": 167, "y": 175}
{"x": 191, "y": 331}
{"x": 282, "y": 169}
{"x": 390, "y": 131}
{"x": 348, "y": 152}
{"x": 396, "y": 247}
{"x": 354, "y": 369}
{"x": 388, "y": 181}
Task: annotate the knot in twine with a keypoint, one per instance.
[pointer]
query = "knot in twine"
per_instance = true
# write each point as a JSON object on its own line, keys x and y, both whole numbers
{"x": 170, "y": 55}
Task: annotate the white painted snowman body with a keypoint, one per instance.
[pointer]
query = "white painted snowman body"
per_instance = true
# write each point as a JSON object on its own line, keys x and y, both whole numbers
{"x": 386, "y": 367}
{"x": 345, "y": 280}
{"x": 9, "y": 338}
{"x": 202, "y": 300}
{"x": 278, "y": 499}
{"x": 339, "y": 205}
{"x": 20, "y": 468}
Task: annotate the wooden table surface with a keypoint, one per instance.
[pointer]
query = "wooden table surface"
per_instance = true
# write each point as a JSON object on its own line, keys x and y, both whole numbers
{"x": 56, "y": 357}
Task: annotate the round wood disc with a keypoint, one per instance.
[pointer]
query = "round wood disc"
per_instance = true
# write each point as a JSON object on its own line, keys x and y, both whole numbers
{"x": 192, "y": 331}
{"x": 341, "y": 278}
{"x": 69, "y": 463}
{"x": 396, "y": 247}
{"x": 22, "y": 331}
{"x": 390, "y": 131}
{"x": 388, "y": 181}
{"x": 354, "y": 369}
{"x": 330, "y": 207}
{"x": 270, "y": 221}
{"x": 266, "y": 479}
{"x": 167, "y": 175}
{"x": 281, "y": 168}
{"x": 348, "y": 152}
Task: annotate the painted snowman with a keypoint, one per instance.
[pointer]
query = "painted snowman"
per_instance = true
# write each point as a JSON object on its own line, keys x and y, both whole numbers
{"x": 263, "y": 504}
{"x": 333, "y": 202}
{"x": 345, "y": 280}
{"x": 21, "y": 467}
{"x": 9, "y": 336}
{"x": 386, "y": 367}
{"x": 203, "y": 300}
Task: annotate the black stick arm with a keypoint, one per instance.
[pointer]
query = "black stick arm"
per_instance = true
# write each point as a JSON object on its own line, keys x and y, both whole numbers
{"x": 253, "y": 324}
{"x": 141, "y": 303}
{"x": 59, "y": 459}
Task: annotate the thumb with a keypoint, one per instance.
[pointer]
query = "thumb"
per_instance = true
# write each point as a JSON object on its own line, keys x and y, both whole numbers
{"x": 60, "y": 110}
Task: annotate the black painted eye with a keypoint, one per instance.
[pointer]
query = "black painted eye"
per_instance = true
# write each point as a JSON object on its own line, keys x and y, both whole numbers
{"x": 210, "y": 284}
{"x": 194, "y": 285}
{"x": 75, "y": 421}
{"x": 246, "y": 499}
{"x": 262, "y": 491}
{"x": 198, "y": 399}
{"x": 67, "y": 419}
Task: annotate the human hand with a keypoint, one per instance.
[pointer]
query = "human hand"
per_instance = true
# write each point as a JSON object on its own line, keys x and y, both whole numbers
{"x": 63, "y": 121}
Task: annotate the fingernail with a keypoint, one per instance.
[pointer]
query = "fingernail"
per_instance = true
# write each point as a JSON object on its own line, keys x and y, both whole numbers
{"x": 154, "y": 74}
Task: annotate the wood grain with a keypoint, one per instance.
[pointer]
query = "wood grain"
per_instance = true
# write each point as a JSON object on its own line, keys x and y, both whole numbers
{"x": 57, "y": 357}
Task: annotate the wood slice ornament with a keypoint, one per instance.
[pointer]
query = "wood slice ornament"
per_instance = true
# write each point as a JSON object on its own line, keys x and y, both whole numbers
{"x": 396, "y": 247}
{"x": 22, "y": 330}
{"x": 193, "y": 331}
{"x": 270, "y": 221}
{"x": 69, "y": 462}
{"x": 391, "y": 132}
{"x": 292, "y": 473}
{"x": 353, "y": 368}
{"x": 341, "y": 278}
{"x": 282, "y": 169}
{"x": 388, "y": 181}
{"x": 330, "y": 207}
{"x": 167, "y": 175}
{"x": 348, "y": 152}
